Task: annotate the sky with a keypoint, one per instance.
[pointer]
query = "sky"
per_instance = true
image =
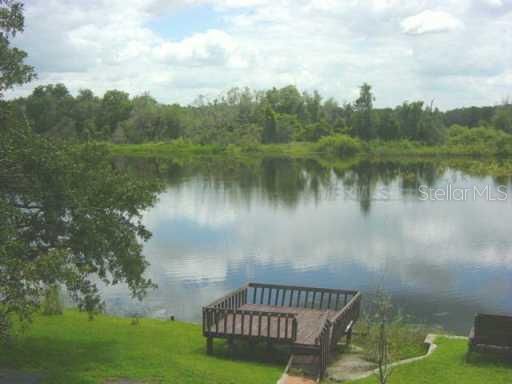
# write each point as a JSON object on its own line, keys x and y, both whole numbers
{"x": 452, "y": 52}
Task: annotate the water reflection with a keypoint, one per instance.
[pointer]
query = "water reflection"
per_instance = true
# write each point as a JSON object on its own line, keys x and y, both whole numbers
{"x": 356, "y": 224}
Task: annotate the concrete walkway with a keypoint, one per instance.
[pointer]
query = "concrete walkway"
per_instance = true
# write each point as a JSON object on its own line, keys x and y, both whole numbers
{"x": 352, "y": 366}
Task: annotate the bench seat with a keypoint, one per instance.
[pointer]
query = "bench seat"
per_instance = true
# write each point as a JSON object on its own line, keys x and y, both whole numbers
{"x": 491, "y": 333}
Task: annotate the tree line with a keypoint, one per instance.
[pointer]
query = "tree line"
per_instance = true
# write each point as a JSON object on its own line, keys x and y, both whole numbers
{"x": 243, "y": 116}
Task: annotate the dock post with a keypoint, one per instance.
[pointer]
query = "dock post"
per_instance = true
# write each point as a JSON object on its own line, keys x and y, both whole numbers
{"x": 231, "y": 346}
{"x": 209, "y": 345}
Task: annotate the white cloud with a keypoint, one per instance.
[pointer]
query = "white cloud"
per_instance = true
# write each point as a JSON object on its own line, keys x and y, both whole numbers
{"x": 213, "y": 47}
{"x": 329, "y": 45}
{"x": 430, "y": 21}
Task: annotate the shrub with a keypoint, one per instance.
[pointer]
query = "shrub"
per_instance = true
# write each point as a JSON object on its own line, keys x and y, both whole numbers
{"x": 52, "y": 304}
{"x": 480, "y": 140}
{"x": 405, "y": 340}
{"x": 5, "y": 326}
{"x": 339, "y": 145}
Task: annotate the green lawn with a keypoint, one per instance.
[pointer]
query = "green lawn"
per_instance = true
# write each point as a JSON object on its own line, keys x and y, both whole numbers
{"x": 71, "y": 349}
{"x": 447, "y": 365}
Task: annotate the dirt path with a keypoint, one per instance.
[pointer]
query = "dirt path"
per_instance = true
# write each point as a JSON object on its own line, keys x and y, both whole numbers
{"x": 287, "y": 379}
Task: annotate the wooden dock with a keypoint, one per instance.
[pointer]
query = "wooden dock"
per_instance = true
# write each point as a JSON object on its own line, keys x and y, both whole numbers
{"x": 310, "y": 320}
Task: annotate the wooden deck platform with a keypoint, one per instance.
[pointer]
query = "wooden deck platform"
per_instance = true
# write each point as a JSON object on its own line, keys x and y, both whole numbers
{"x": 309, "y": 323}
{"x": 308, "y": 319}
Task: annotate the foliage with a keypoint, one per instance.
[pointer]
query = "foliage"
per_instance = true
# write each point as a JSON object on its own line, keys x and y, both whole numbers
{"x": 339, "y": 145}
{"x": 66, "y": 217}
{"x": 389, "y": 127}
{"x": 51, "y": 108}
{"x": 314, "y": 131}
{"x": 13, "y": 70}
{"x": 270, "y": 126}
{"x": 364, "y": 117}
{"x": 287, "y": 125}
{"x": 480, "y": 140}
{"x": 404, "y": 339}
{"x": 52, "y": 302}
{"x": 69, "y": 349}
{"x": 502, "y": 118}
{"x": 419, "y": 123}
{"x": 469, "y": 116}
{"x": 386, "y": 335}
{"x": 240, "y": 117}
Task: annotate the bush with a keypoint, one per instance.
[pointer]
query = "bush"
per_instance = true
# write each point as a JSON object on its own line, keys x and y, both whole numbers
{"x": 339, "y": 145}
{"x": 405, "y": 340}
{"x": 52, "y": 304}
{"x": 480, "y": 140}
{"x": 5, "y": 326}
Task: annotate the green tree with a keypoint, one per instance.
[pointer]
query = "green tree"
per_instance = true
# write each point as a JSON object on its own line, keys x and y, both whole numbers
{"x": 364, "y": 125}
{"x": 49, "y": 110}
{"x": 409, "y": 117}
{"x": 287, "y": 100}
{"x": 270, "y": 126}
{"x": 332, "y": 112}
{"x": 144, "y": 121}
{"x": 13, "y": 70}
{"x": 313, "y": 106}
{"x": 172, "y": 119}
{"x": 431, "y": 127}
{"x": 287, "y": 126}
{"x": 389, "y": 129}
{"x": 115, "y": 108}
{"x": 502, "y": 118}
{"x": 315, "y": 131}
{"x": 85, "y": 111}
{"x": 66, "y": 216}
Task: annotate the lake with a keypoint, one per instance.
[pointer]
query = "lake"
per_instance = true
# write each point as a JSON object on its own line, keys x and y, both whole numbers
{"x": 435, "y": 235}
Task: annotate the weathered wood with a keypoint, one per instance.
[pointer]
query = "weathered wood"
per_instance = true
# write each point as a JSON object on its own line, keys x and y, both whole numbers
{"x": 303, "y": 288}
{"x": 286, "y": 314}
{"x": 491, "y": 333}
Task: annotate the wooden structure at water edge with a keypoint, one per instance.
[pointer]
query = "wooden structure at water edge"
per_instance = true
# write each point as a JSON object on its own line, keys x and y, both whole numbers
{"x": 310, "y": 320}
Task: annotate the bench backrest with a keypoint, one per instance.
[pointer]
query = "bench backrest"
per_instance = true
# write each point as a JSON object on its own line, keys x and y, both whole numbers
{"x": 493, "y": 330}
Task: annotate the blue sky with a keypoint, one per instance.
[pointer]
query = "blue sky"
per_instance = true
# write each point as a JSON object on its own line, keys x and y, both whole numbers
{"x": 186, "y": 21}
{"x": 455, "y": 52}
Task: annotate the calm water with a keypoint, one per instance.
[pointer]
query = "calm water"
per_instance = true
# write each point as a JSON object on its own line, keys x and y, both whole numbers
{"x": 220, "y": 224}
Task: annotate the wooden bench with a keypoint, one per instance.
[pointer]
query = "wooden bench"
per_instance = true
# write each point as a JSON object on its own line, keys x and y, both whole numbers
{"x": 491, "y": 333}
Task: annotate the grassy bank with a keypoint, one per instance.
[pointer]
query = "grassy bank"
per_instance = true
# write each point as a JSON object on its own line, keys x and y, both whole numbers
{"x": 447, "y": 365}
{"x": 333, "y": 146}
{"x": 405, "y": 340}
{"x": 70, "y": 349}
{"x": 180, "y": 148}
{"x": 472, "y": 160}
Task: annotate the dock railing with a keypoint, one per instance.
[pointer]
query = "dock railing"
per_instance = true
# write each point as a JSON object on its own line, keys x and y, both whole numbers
{"x": 223, "y": 318}
{"x": 299, "y": 296}
{"x": 322, "y": 341}
{"x": 345, "y": 319}
{"x": 274, "y": 326}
